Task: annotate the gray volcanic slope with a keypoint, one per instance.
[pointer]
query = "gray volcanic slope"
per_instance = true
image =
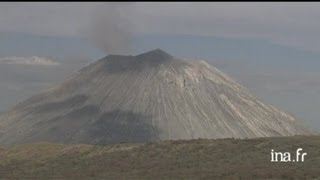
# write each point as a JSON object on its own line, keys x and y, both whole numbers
{"x": 148, "y": 97}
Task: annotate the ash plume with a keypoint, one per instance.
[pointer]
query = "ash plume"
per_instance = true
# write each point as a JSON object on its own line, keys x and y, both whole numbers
{"x": 111, "y": 27}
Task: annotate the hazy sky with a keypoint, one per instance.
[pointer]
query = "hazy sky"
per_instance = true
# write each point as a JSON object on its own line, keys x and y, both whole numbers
{"x": 293, "y": 24}
{"x": 271, "y": 47}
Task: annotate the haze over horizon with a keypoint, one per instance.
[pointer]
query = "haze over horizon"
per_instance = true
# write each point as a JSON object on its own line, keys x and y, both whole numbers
{"x": 272, "y": 48}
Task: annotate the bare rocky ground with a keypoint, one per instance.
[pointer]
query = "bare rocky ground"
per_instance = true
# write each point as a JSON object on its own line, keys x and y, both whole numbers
{"x": 183, "y": 159}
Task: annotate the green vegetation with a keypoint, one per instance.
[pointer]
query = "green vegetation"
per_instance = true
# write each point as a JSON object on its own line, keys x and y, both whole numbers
{"x": 183, "y": 159}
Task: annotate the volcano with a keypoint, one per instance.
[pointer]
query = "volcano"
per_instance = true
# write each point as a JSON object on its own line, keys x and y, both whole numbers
{"x": 148, "y": 97}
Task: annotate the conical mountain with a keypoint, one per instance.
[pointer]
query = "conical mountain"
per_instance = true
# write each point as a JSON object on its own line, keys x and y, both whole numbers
{"x": 148, "y": 97}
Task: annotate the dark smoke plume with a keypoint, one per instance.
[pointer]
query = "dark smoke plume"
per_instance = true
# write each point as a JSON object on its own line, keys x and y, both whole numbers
{"x": 112, "y": 26}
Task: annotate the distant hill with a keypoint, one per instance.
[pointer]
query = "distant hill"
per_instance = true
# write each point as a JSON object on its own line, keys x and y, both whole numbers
{"x": 183, "y": 159}
{"x": 42, "y": 61}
